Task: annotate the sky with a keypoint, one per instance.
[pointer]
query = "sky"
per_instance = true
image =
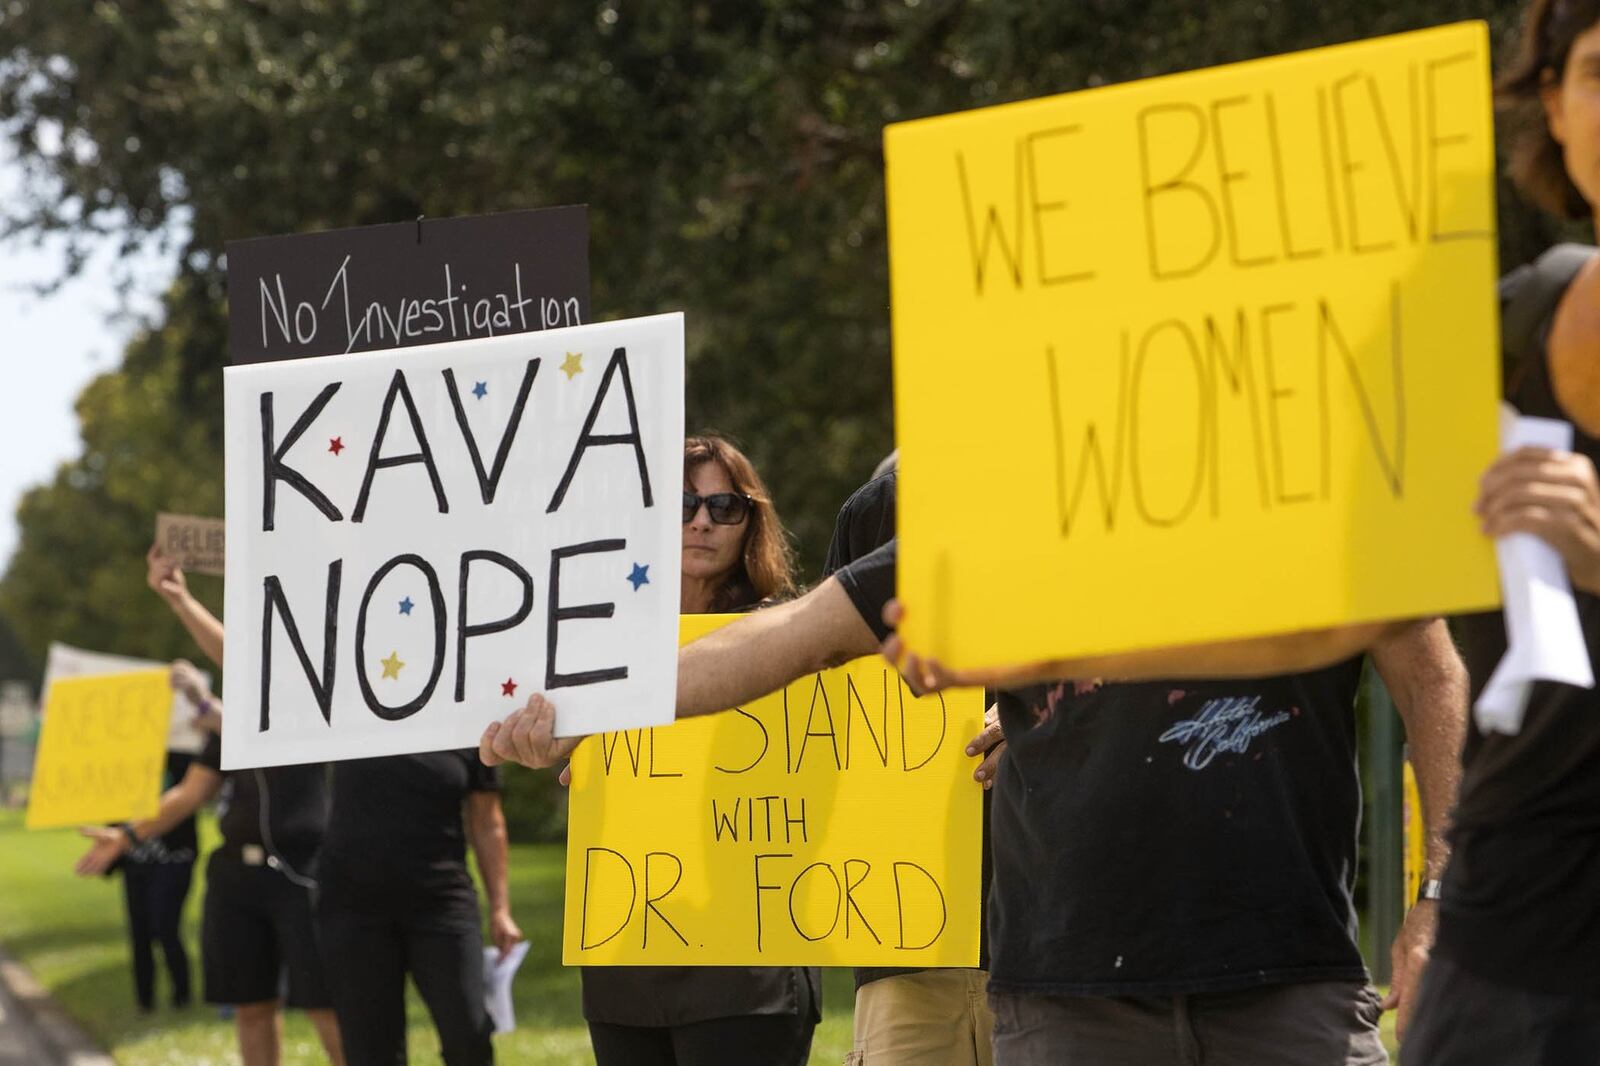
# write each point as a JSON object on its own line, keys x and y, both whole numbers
{"x": 52, "y": 346}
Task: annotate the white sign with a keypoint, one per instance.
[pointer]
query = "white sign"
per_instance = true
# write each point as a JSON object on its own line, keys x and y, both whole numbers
{"x": 420, "y": 538}
{"x": 64, "y": 661}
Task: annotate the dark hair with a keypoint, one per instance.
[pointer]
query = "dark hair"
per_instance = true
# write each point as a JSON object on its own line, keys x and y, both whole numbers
{"x": 1538, "y": 165}
{"x": 766, "y": 566}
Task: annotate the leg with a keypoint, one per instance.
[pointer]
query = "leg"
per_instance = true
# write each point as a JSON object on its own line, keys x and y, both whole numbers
{"x": 260, "y": 1033}
{"x": 631, "y": 1045}
{"x": 239, "y": 956}
{"x": 326, "y": 1023}
{"x": 136, "y": 895}
{"x": 366, "y": 976}
{"x": 1464, "y": 1019}
{"x": 1035, "y": 1030}
{"x": 294, "y": 930}
{"x": 982, "y": 1018}
{"x": 775, "y": 1039}
{"x": 171, "y": 890}
{"x": 1327, "y": 1023}
{"x": 444, "y": 952}
{"x": 911, "y": 1018}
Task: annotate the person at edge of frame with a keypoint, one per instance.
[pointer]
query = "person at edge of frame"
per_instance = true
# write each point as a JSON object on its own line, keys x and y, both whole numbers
{"x": 1514, "y": 979}
{"x": 917, "y": 1016}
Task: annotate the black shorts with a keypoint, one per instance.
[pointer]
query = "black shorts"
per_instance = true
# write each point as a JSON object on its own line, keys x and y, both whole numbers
{"x": 259, "y": 937}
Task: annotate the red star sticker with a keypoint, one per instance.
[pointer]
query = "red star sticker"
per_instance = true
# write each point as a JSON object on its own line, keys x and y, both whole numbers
{"x": 336, "y": 445}
{"x": 509, "y": 688}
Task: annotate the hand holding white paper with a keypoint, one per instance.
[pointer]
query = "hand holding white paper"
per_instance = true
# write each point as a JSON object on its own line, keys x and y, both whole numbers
{"x": 498, "y": 970}
{"x": 1544, "y": 639}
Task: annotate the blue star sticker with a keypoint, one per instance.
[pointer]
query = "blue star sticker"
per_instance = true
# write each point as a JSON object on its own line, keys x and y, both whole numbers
{"x": 640, "y": 576}
{"x": 480, "y": 390}
{"x": 406, "y": 605}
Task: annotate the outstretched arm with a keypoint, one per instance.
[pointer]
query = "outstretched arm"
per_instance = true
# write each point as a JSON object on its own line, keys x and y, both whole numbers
{"x": 744, "y": 660}
{"x": 486, "y": 831}
{"x": 166, "y": 578}
{"x": 1428, "y": 682}
{"x": 199, "y": 784}
{"x": 764, "y": 651}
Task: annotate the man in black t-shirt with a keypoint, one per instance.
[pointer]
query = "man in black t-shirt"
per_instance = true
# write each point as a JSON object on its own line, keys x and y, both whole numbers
{"x": 1174, "y": 863}
{"x": 1179, "y": 857}
{"x": 1516, "y": 974}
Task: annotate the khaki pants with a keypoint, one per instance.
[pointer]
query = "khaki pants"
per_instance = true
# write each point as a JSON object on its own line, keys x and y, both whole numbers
{"x": 932, "y": 1018}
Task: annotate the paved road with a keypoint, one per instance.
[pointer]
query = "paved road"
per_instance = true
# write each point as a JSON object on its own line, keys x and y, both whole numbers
{"x": 34, "y": 1030}
{"x": 19, "y": 1042}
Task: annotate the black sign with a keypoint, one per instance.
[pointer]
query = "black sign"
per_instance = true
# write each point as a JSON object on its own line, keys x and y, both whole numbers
{"x": 425, "y": 282}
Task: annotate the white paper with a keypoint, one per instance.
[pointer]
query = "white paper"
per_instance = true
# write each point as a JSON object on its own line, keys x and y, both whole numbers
{"x": 65, "y": 661}
{"x": 498, "y": 970}
{"x": 1544, "y": 637}
{"x": 397, "y": 665}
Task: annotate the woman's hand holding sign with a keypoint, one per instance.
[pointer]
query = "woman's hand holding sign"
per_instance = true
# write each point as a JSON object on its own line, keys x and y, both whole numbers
{"x": 527, "y": 736}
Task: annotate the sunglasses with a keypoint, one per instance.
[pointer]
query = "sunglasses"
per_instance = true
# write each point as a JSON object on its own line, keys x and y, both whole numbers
{"x": 723, "y": 508}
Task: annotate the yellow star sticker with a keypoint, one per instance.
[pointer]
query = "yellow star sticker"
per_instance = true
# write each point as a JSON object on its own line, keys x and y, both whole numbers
{"x": 392, "y": 665}
{"x": 572, "y": 365}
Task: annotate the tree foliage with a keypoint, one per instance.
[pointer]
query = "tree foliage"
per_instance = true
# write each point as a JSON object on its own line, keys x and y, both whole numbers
{"x": 730, "y": 152}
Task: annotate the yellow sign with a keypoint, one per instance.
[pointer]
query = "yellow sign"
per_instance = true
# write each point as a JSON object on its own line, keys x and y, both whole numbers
{"x": 833, "y": 823}
{"x": 1414, "y": 833}
{"x": 102, "y": 749}
{"x": 1219, "y": 351}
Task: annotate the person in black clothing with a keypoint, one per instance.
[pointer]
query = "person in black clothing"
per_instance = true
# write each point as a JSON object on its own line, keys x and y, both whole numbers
{"x": 396, "y": 898}
{"x": 916, "y": 1016}
{"x": 1515, "y": 977}
{"x": 395, "y": 893}
{"x": 259, "y": 946}
{"x": 734, "y": 558}
{"x": 155, "y": 884}
{"x": 258, "y": 942}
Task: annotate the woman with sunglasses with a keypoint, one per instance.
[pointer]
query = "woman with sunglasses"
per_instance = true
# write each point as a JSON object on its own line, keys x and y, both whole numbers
{"x": 735, "y": 558}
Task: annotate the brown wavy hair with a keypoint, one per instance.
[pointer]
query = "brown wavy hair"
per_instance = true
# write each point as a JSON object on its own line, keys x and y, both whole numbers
{"x": 766, "y": 567}
{"x": 1537, "y": 163}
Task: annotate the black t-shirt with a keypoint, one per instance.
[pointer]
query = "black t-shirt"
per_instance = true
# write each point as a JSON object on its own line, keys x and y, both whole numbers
{"x": 178, "y": 844}
{"x": 1519, "y": 900}
{"x": 869, "y": 582}
{"x": 396, "y": 824}
{"x": 281, "y": 808}
{"x": 865, "y": 522}
{"x": 1176, "y": 837}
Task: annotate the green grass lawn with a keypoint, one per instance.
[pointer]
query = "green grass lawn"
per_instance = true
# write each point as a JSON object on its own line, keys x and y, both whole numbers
{"x": 69, "y": 931}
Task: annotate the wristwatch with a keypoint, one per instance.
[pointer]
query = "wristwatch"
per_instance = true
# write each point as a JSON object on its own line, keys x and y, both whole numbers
{"x": 1431, "y": 888}
{"x": 127, "y": 831}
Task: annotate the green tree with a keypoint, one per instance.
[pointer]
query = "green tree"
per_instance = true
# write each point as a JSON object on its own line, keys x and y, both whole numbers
{"x": 78, "y": 573}
{"x": 730, "y": 152}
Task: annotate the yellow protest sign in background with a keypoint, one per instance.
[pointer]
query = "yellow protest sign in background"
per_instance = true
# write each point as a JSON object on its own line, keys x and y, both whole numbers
{"x": 102, "y": 748}
{"x": 1214, "y": 354}
{"x": 834, "y": 823}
